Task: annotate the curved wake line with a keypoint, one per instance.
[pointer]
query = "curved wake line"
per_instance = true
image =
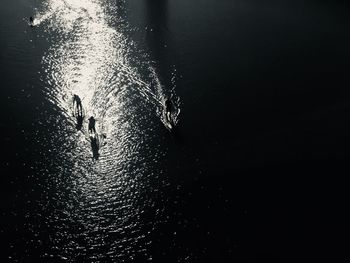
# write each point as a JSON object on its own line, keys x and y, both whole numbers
{"x": 95, "y": 55}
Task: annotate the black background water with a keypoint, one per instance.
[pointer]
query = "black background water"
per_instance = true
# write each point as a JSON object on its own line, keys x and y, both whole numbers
{"x": 256, "y": 169}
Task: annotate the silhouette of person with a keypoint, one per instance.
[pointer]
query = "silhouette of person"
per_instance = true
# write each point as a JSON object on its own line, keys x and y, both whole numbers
{"x": 77, "y": 102}
{"x": 31, "y": 21}
{"x": 92, "y": 121}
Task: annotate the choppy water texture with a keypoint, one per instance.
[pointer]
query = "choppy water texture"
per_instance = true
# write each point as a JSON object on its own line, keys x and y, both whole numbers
{"x": 261, "y": 98}
{"x": 96, "y": 211}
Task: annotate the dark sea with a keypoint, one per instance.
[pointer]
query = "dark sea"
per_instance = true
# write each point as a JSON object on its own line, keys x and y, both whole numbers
{"x": 253, "y": 170}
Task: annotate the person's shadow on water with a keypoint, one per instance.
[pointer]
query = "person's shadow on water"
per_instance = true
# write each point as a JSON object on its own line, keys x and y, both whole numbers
{"x": 79, "y": 124}
{"x": 94, "y": 147}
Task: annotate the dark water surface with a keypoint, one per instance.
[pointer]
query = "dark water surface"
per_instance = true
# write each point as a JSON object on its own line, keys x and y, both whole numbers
{"x": 254, "y": 170}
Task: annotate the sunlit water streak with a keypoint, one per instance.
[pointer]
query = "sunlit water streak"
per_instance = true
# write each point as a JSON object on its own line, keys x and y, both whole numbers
{"x": 99, "y": 204}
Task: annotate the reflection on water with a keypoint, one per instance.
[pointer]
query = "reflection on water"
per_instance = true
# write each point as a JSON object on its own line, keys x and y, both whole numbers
{"x": 99, "y": 206}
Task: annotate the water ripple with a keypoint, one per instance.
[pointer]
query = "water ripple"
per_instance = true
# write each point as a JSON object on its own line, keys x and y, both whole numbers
{"x": 98, "y": 205}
